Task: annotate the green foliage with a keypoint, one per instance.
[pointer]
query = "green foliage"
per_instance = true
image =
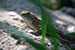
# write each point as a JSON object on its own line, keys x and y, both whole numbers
{"x": 71, "y": 34}
{"x": 46, "y": 19}
{"x": 52, "y": 31}
{"x": 20, "y": 34}
{"x": 50, "y": 26}
{"x": 46, "y": 24}
{"x": 51, "y": 4}
{"x": 1, "y": 24}
{"x": 43, "y": 22}
{"x": 0, "y": 3}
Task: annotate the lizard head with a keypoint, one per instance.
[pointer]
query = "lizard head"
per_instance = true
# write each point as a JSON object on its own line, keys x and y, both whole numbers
{"x": 31, "y": 20}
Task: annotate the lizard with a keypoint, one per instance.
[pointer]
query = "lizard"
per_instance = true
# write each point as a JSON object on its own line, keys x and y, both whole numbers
{"x": 34, "y": 23}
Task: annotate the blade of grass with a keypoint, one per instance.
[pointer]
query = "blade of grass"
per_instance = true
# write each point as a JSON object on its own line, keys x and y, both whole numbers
{"x": 71, "y": 34}
{"x": 50, "y": 26}
{"x": 54, "y": 33}
{"x": 53, "y": 36}
{"x": 52, "y": 30}
{"x": 20, "y": 34}
{"x": 43, "y": 22}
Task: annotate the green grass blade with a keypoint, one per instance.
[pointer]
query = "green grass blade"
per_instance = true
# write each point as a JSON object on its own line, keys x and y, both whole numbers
{"x": 52, "y": 30}
{"x": 43, "y": 22}
{"x": 20, "y": 34}
{"x": 50, "y": 26}
{"x": 54, "y": 37}
{"x": 71, "y": 34}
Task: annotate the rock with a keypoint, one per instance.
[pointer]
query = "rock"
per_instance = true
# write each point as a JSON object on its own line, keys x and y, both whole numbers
{"x": 6, "y": 41}
{"x": 18, "y": 6}
{"x": 1, "y": 49}
{"x": 14, "y": 20}
{"x": 71, "y": 29}
{"x": 63, "y": 21}
{"x": 69, "y": 11}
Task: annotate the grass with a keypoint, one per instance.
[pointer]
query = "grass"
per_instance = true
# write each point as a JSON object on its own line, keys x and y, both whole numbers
{"x": 50, "y": 26}
{"x": 1, "y": 4}
{"x": 46, "y": 24}
{"x": 20, "y": 34}
{"x": 43, "y": 22}
{"x": 71, "y": 34}
{"x": 52, "y": 30}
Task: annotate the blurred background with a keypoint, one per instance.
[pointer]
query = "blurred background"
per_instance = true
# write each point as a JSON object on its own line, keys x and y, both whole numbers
{"x": 19, "y": 5}
{"x": 63, "y": 12}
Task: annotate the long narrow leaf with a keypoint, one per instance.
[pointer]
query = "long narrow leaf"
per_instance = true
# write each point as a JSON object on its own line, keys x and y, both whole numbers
{"x": 20, "y": 34}
{"x": 43, "y": 22}
{"x": 50, "y": 26}
{"x": 71, "y": 34}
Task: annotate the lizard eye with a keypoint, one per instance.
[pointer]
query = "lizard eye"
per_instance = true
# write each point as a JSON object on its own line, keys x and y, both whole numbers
{"x": 22, "y": 21}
